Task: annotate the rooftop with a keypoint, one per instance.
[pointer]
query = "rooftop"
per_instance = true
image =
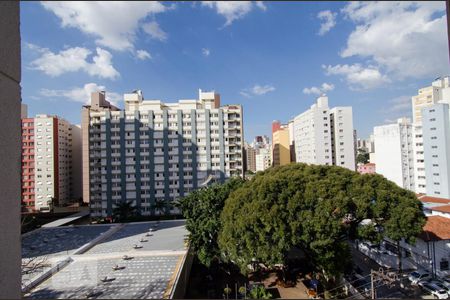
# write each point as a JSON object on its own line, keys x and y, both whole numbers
{"x": 80, "y": 260}
{"x": 430, "y": 199}
{"x": 436, "y": 228}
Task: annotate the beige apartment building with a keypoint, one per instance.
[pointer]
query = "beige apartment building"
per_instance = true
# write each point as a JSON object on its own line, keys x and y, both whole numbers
{"x": 154, "y": 152}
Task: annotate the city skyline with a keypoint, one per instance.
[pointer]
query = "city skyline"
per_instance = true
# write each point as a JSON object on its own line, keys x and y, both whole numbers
{"x": 238, "y": 51}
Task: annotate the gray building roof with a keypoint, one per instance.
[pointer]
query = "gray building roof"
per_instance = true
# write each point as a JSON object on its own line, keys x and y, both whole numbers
{"x": 93, "y": 250}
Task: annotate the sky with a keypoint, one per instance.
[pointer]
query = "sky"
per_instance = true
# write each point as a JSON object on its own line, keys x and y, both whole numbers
{"x": 273, "y": 58}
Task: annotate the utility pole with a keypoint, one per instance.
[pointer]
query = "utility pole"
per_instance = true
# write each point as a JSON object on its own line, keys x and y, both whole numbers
{"x": 380, "y": 275}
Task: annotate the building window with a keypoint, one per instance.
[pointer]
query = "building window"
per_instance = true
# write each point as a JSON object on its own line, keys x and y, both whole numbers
{"x": 443, "y": 265}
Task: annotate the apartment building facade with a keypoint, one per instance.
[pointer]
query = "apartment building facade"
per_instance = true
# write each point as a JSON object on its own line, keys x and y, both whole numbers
{"x": 324, "y": 136}
{"x": 154, "y": 152}
{"x": 280, "y": 144}
{"x": 395, "y": 155}
{"x": 250, "y": 158}
{"x": 47, "y": 167}
{"x": 438, "y": 92}
{"x": 436, "y": 146}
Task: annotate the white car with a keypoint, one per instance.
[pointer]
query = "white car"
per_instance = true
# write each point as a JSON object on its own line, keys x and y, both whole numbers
{"x": 417, "y": 276}
{"x": 441, "y": 285}
{"x": 434, "y": 290}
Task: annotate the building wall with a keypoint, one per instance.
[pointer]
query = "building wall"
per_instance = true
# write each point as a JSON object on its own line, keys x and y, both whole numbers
{"x": 155, "y": 152}
{"x": 281, "y": 151}
{"x": 250, "y": 155}
{"x": 263, "y": 159}
{"x": 10, "y": 150}
{"x": 76, "y": 176}
{"x": 394, "y": 156}
{"x": 325, "y": 136}
{"x": 439, "y": 91}
{"x": 436, "y": 140}
{"x": 28, "y": 165}
{"x": 341, "y": 119}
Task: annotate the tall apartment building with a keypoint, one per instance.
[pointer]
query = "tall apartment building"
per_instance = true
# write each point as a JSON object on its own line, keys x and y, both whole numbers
{"x": 436, "y": 146}
{"x": 280, "y": 144}
{"x": 394, "y": 157}
{"x": 47, "y": 167}
{"x": 324, "y": 136}
{"x": 263, "y": 159}
{"x": 263, "y": 153}
{"x": 250, "y": 157}
{"x": 154, "y": 152}
{"x": 438, "y": 92}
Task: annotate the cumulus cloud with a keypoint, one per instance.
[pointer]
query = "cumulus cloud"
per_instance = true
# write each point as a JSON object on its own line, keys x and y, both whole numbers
{"x": 206, "y": 51}
{"x": 153, "y": 29}
{"x": 81, "y": 94}
{"x": 114, "y": 23}
{"x": 406, "y": 39}
{"x": 257, "y": 90}
{"x": 325, "y": 87}
{"x": 329, "y": 21}
{"x": 143, "y": 55}
{"x": 357, "y": 76}
{"x": 233, "y": 10}
{"x": 74, "y": 60}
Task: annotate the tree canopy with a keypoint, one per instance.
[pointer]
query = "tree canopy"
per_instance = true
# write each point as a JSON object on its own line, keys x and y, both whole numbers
{"x": 316, "y": 208}
{"x": 202, "y": 209}
{"x": 362, "y": 157}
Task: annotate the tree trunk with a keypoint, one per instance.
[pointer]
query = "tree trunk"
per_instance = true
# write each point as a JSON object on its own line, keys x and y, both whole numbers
{"x": 399, "y": 256}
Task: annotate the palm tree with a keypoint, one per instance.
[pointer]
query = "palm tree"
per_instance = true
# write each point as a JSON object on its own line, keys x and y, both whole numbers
{"x": 159, "y": 206}
{"x": 124, "y": 210}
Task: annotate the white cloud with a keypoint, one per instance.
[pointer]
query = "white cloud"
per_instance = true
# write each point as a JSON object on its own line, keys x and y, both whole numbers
{"x": 206, "y": 51}
{"x": 81, "y": 94}
{"x": 153, "y": 29}
{"x": 143, "y": 55}
{"x": 406, "y": 39}
{"x": 399, "y": 105}
{"x": 357, "y": 76}
{"x": 329, "y": 19}
{"x": 257, "y": 90}
{"x": 233, "y": 10}
{"x": 325, "y": 87}
{"x": 114, "y": 23}
{"x": 73, "y": 60}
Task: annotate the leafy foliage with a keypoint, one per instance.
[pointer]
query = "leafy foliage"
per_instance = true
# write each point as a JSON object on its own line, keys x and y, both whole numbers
{"x": 202, "y": 209}
{"x": 316, "y": 208}
{"x": 362, "y": 157}
{"x": 259, "y": 292}
{"x": 124, "y": 211}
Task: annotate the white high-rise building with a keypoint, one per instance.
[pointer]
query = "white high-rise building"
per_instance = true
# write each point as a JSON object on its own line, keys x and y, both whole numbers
{"x": 154, "y": 152}
{"x": 263, "y": 158}
{"x": 49, "y": 171}
{"x": 394, "y": 152}
{"x": 324, "y": 136}
{"x": 438, "y": 92}
{"x": 436, "y": 144}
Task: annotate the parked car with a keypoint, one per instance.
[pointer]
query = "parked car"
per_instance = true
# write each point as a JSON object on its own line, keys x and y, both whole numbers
{"x": 417, "y": 276}
{"x": 446, "y": 281}
{"x": 434, "y": 290}
{"x": 441, "y": 285}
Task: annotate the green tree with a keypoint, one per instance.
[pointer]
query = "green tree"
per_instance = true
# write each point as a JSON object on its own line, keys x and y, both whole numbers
{"x": 362, "y": 157}
{"x": 124, "y": 211}
{"x": 159, "y": 206}
{"x": 202, "y": 209}
{"x": 315, "y": 208}
{"x": 259, "y": 292}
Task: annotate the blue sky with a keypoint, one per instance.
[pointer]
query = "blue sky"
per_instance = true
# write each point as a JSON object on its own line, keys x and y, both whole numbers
{"x": 274, "y": 58}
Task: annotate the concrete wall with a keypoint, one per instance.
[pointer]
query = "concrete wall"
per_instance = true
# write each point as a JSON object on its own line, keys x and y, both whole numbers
{"x": 10, "y": 149}
{"x": 77, "y": 189}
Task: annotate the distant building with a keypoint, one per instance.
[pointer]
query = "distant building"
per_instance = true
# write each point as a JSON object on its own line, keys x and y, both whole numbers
{"x": 325, "y": 136}
{"x": 394, "y": 154}
{"x": 263, "y": 158}
{"x": 436, "y": 147}
{"x": 23, "y": 110}
{"x": 438, "y": 92}
{"x": 250, "y": 158}
{"x": 48, "y": 168}
{"x": 368, "y": 168}
{"x": 153, "y": 152}
{"x": 280, "y": 144}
